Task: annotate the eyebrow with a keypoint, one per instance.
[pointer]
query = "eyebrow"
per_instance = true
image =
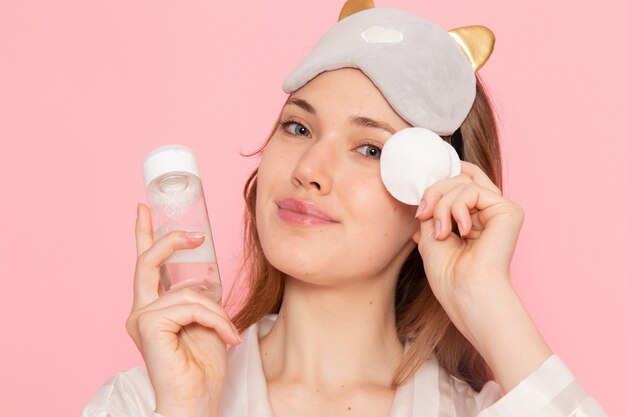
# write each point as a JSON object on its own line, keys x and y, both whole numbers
{"x": 362, "y": 121}
{"x": 303, "y": 104}
{"x": 359, "y": 121}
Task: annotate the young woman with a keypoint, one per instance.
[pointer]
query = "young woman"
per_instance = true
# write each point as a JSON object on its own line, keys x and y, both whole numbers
{"x": 356, "y": 304}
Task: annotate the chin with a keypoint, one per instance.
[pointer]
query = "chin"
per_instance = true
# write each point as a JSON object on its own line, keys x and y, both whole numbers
{"x": 301, "y": 268}
{"x": 296, "y": 252}
{"x": 314, "y": 272}
{"x": 291, "y": 262}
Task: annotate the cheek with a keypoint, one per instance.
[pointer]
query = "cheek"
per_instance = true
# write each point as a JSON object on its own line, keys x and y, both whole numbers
{"x": 382, "y": 222}
{"x": 273, "y": 179}
{"x": 370, "y": 199}
{"x": 265, "y": 181}
{"x": 269, "y": 170}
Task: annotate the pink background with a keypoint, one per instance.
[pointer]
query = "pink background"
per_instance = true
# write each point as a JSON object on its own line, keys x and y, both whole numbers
{"x": 87, "y": 88}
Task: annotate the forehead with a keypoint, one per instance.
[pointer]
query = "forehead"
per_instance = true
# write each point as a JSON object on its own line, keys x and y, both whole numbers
{"x": 345, "y": 92}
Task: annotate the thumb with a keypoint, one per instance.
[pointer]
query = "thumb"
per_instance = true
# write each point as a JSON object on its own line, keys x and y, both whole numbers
{"x": 428, "y": 244}
{"x": 427, "y": 230}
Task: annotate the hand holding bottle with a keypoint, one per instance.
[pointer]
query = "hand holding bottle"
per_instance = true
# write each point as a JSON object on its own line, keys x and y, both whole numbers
{"x": 182, "y": 334}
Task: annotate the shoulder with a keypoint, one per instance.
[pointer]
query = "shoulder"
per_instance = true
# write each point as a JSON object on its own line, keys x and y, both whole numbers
{"x": 127, "y": 393}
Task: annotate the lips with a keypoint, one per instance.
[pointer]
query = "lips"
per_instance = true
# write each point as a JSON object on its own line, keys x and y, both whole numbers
{"x": 299, "y": 211}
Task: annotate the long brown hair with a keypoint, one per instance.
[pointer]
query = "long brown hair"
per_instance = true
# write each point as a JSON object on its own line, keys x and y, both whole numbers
{"x": 419, "y": 316}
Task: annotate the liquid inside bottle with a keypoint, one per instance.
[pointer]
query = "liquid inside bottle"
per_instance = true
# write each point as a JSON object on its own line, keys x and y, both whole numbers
{"x": 203, "y": 276}
{"x": 178, "y": 205}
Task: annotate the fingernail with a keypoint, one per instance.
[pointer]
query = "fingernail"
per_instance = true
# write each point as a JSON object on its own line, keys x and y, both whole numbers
{"x": 194, "y": 235}
{"x": 459, "y": 225}
{"x": 437, "y": 228}
{"x": 420, "y": 208}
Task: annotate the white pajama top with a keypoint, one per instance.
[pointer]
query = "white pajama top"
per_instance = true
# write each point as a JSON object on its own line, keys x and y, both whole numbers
{"x": 549, "y": 391}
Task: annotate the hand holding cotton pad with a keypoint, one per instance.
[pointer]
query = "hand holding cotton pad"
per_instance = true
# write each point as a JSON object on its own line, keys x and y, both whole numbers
{"x": 413, "y": 159}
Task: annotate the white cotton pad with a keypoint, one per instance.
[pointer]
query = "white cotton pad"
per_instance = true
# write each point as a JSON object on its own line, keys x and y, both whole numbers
{"x": 413, "y": 159}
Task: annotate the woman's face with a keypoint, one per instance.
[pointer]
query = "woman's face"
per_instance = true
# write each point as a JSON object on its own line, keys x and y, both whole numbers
{"x": 323, "y": 214}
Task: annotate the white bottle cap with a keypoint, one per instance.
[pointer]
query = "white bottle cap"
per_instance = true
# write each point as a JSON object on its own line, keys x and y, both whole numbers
{"x": 169, "y": 158}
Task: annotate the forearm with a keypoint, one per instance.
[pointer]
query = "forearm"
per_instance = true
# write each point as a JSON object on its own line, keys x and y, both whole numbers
{"x": 498, "y": 325}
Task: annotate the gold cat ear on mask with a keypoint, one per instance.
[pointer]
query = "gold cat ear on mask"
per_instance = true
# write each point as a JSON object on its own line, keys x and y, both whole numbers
{"x": 354, "y": 6}
{"x": 476, "y": 42}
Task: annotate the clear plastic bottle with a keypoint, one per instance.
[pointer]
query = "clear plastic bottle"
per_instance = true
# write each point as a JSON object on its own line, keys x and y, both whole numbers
{"x": 176, "y": 199}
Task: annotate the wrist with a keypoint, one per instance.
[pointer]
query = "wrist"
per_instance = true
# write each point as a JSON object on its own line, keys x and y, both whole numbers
{"x": 502, "y": 331}
{"x": 476, "y": 306}
{"x": 484, "y": 297}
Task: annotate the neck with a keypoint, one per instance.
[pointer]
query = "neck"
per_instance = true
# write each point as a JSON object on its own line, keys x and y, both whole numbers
{"x": 334, "y": 336}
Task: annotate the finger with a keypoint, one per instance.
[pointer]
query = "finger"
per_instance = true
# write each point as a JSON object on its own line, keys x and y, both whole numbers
{"x": 173, "y": 298}
{"x": 173, "y": 318}
{"x": 462, "y": 215}
{"x": 436, "y": 191}
{"x": 473, "y": 196}
{"x": 188, "y": 295}
{"x": 433, "y": 248}
{"x": 148, "y": 264}
{"x": 470, "y": 173}
{"x": 501, "y": 216}
{"x": 477, "y": 175}
{"x": 442, "y": 213}
{"x": 143, "y": 229}
{"x": 470, "y": 208}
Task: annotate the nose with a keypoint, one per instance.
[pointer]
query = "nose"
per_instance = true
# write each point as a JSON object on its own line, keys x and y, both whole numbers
{"x": 314, "y": 169}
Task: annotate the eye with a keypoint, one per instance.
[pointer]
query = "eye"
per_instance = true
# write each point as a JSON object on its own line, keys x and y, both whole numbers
{"x": 370, "y": 151}
{"x": 294, "y": 128}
